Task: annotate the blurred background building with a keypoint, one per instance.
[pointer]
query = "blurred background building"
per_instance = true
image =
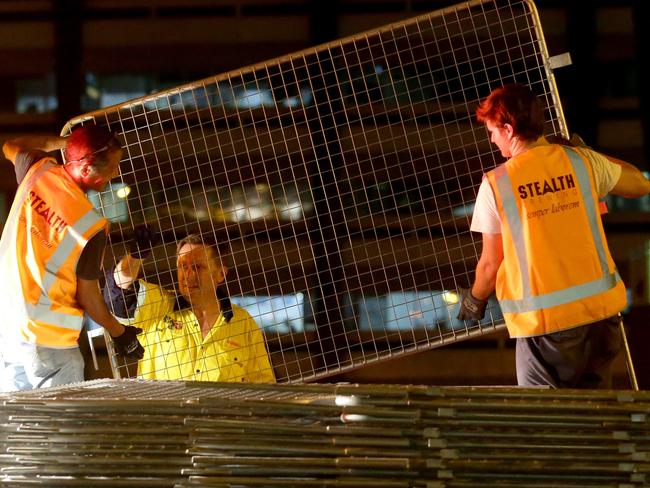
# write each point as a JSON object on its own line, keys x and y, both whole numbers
{"x": 59, "y": 59}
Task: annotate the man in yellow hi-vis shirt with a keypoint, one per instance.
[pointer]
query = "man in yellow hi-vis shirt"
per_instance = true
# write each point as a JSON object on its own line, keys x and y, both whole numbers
{"x": 199, "y": 335}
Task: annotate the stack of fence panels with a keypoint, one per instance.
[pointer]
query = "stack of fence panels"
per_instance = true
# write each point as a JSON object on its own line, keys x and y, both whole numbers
{"x": 135, "y": 433}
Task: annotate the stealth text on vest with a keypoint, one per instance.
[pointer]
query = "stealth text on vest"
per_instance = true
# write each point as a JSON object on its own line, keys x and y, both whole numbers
{"x": 539, "y": 188}
{"x": 42, "y": 208}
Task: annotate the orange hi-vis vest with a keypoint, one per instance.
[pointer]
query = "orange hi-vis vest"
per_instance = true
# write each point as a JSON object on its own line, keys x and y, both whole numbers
{"x": 557, "y": 272}
{"x": 50, "y": 222}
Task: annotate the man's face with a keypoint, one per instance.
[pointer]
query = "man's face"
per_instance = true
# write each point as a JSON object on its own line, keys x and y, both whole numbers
{"x": 500, "y": 137}
{"x": 199, "y": 272}
{"x": 99, "y": 179}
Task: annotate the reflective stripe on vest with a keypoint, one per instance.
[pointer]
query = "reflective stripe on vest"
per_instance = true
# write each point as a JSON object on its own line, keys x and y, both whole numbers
{"x": 73, "y": 236}
{"x": 528, "y": 302}
{"x": 14, "y": 214}
{"x": 43, "y": 312}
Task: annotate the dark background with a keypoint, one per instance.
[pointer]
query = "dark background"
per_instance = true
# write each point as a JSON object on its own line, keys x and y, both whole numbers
{"x": 59, "y": 59}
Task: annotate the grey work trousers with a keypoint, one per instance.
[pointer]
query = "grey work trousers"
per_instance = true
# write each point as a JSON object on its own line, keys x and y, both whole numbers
{"x": 581, "y": 357}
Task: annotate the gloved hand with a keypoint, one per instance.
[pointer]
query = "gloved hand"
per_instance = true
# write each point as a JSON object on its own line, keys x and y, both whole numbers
{"x": 144, "y": 239}
{"x": 127, "y": 344}
{"x": 471, "y": 308}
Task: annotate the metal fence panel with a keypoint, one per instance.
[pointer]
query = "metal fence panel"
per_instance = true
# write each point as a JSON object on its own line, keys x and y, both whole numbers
{"x": 339, "y": 180}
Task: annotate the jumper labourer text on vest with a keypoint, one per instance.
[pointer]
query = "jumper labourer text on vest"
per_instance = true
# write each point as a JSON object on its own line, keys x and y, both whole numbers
{"x": 555, "y": 186}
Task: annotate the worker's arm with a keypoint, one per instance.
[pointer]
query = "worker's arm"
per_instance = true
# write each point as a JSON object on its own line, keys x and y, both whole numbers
{"x": 631, "y": 183}
{"x": 92, "y": 303}
{"x": 488, "y": 266}
{"x": 126, "y": 271}
{"x": 90, "y": 299}
{"x": 12, "y": 147}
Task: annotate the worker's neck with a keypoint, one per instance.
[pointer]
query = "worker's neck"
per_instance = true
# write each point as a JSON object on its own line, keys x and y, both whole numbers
{"x": 518, "y": 146}
{"x": 207, "y": 312}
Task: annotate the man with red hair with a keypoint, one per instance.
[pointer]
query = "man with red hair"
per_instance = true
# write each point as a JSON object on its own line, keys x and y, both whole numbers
{"x": 544, "y": 250}
{"x": 51, "y": 251}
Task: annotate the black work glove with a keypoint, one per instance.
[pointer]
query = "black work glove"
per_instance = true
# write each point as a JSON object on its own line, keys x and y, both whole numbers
{"x": 144, "y": 239}
{"x": 471, "y": 308}
{"x": 127, "y": 344}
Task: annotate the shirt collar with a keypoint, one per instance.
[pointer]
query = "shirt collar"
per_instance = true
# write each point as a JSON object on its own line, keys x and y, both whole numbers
{"x": 224, "y": 303}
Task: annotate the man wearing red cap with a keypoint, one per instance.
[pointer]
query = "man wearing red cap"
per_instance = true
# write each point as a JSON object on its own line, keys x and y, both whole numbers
{"x": 50, "y": 258}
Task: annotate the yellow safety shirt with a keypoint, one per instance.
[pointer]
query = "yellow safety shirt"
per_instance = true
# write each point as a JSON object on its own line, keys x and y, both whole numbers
{"x": 233, "y": 350}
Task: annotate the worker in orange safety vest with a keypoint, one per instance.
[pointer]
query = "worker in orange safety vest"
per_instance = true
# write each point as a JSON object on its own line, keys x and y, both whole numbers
{"x": 544, "y": 248}
{"x": 50, "y": 258}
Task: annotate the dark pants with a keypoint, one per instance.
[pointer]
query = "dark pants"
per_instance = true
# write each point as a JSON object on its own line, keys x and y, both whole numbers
{"x": 575, "y": 358}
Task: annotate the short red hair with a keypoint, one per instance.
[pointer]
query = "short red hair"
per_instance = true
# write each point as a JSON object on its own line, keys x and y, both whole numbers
{"x": 85, "y": 141}
{"x": 517, "y": 105}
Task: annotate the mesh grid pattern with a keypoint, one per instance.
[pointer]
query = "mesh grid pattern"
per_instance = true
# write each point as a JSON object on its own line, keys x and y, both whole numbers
{"x": 339, "y": 182}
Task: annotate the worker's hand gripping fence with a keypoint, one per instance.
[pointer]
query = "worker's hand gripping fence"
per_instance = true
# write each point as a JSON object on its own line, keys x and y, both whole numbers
{"x": 338, "y": 183}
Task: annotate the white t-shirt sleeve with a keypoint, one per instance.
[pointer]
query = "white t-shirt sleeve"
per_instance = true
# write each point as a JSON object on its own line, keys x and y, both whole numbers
{"x": 486, "y": 218}
{"x": 606, "y": 173}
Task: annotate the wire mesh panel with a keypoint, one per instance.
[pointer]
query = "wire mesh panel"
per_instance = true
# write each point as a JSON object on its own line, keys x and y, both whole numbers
{"x": 338, "y": 185}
